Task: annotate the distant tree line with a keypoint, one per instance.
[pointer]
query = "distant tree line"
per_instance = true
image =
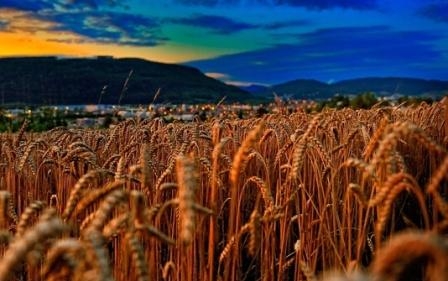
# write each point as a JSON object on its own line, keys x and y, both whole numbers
{"x": 367, "y": 100}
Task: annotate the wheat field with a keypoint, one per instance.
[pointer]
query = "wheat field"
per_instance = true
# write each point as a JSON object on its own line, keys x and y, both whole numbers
{"x": 337, "y": 195}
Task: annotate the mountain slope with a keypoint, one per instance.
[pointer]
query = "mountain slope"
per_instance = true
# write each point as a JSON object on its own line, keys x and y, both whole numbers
{"x": 303, "y": 89}
{"x": 49, "y": 80}
{"x": 312, "y": 89}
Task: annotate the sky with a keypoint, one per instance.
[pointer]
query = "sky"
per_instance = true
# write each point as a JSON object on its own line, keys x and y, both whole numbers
{"x": 241, "y": 41}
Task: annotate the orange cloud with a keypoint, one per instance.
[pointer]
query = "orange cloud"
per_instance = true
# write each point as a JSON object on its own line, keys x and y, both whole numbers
{"x": 217, "y": 75}
{"x": 24, "y": 22}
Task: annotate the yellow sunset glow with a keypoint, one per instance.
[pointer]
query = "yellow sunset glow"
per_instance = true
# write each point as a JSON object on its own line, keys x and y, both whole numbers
{"x": 13, "y": 44}
{"x": 26, "y": 35}
{"x": 18, "y": 45}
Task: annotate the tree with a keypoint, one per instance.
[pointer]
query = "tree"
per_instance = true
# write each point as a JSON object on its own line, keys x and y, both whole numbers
{"x": 364, "y": 100}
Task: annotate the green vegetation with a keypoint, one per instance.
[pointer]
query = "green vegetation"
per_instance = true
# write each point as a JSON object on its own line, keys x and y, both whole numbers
{"x": 46, "y": 119}
{"x": 368, "y": 100}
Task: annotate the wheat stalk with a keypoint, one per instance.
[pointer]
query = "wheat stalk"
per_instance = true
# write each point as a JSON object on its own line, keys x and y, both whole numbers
{"x": 4, "y": 199}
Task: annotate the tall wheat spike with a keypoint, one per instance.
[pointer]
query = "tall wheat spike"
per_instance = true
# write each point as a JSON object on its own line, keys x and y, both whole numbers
{"x": 145, "y": 163}
{"x": 20, "y": 247}
{"x": 242, "y": 153}
{"x": 299, "y": 151}
{"x": 21, "y": 132}
{"x": 187, "y": 179}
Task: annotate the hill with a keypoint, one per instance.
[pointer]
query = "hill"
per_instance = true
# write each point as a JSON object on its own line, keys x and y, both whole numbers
{"x": 255, "y": 89}
{"x": 393, "y": 85}
{"x": 52, "y": 80}
{"x": 313, "y": 89}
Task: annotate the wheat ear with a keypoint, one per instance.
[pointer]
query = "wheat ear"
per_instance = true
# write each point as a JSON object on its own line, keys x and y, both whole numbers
{"x": 434, "y": 184}
{"x": 21, "y": 132}
{"x": 232, "y": 241}
{"x": 119, "y": 174}
{"x": 113, "y": 226}
{"x": 145, "y": 163}
{"x": 97, "y": 253}
{"x": 64, "y": 254}
{"x": 25, "y": 218}
{"x": 137, "y": 206}
{"x": 242, "y": 153}
{"x": 75, "y": 194}
{"x": 20, "y": 247}
{"x": 97, "y": 256}
{"x": 169, "y": 266}
{"x": 384, "y": 211}
{"x": 265, "y": 192}
{"x": 138, "y": 256}
{"x": 254, "y": 232}
{"x": 299, "y": 151}
{"x": 188, "y": 180}
{"x": 374, "y": 140}
{"x": 398, "y": 260}
{"x": 97, "y": 195}
{"x": 106, "y": 208}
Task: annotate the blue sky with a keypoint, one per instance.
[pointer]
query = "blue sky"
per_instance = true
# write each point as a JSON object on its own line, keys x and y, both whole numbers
{"x": 241, "y": 41}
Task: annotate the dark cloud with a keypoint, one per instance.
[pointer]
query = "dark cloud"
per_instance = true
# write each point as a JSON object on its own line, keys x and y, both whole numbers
{"x": 436, "y": 12}
{"x": 112, "y": 27}
{"x": 286, "y": 24}
{"x": 26, "y": 5}
{"x": 206, "y": 2}
{"x": 336, "y": 53}
{"x": 218, "y": 24}
{"x": 329, "y": 4}
{"x": 93, "y": 4}
{"x": 309, "y": 4}
{"x": 89, "y": 3}
{"x": 50, "y": 5}
{"x": 3, "y": 24}
{"x": 71, "y": 40}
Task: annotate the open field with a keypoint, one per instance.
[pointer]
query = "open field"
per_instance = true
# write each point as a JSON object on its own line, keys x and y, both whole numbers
{"x": 283, "y": 197}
